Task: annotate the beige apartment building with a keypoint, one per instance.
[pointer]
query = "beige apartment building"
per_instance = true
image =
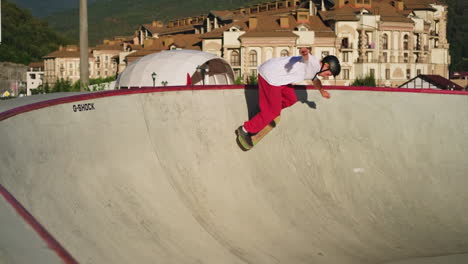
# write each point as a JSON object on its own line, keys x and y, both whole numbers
{"x": 65, "y": 62}
{"x": 391, "y": 39}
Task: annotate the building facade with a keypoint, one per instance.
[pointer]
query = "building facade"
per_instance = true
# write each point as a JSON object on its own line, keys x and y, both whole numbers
{"x": 392, "y": 40}
{"x": 34, "y": 76}
{"x": 65, "y": 62}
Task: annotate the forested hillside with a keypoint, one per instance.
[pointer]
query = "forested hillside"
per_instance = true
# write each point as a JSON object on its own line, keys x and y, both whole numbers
{"x": 43, "y": 8}
{"x": 109, "y": 18}
{"x": 457, "y": 34}
{"x": 25, "y": 38}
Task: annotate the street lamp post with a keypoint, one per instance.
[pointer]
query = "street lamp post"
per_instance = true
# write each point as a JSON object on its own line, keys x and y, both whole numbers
{"x": 153, "y": 75}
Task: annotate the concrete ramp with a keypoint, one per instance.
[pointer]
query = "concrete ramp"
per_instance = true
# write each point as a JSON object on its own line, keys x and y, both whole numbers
{"x": 155, "y": 176}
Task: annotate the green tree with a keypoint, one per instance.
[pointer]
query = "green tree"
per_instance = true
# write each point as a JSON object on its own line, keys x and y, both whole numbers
{"x": 62, "y": 85}
{"x": 253, "y": 79}
{"x": 24, "y": 38}
{"x": 239, "y": 80}
{"x": 368, "y": 80}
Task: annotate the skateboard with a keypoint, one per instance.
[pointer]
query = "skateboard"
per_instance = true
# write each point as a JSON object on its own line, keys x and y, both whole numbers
{"x": 257, "y": 137}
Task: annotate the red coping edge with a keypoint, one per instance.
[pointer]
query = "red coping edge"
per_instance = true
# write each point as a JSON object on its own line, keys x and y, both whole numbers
{"x": 40, "y": 230}
{"x": 136, "y": 90}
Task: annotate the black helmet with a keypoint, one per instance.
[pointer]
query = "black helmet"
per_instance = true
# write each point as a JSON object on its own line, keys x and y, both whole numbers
{"x": 334, "y": 63}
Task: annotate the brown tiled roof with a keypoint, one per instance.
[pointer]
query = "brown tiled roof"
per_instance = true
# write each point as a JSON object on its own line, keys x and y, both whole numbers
{"x": 383, "y": 8}
{"x": 136, "y": 47}
{"x": 420, "y": 4}
{"x": 269, "y": 34}
{"x": 180, "y": 41}
{"x": 36, "y": 64}
{"x": 223, "y": 14}
{"x": 269, "y": 26}
{"x": 63, "y": 54}
{"x": 440, "y": 82}
{"x": 108, "y": 47}
{"x": 186, "y": 41}
{"x": 388, "y": 13}
{"x": 168, "y": 30}
{"x": 142, "y": 53}
{"x": 345, "y": 13}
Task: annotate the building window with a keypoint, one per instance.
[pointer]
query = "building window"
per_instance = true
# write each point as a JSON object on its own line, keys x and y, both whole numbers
{"x": 345, "y": 43}
{"x": 345, "y": 74}
{"x": 32, "y": 76}
{"x": 405, "y": 42}
{"x": 237, "y": 73}
{"x": 345, "y": 56}
{"x": 235, "y": 58}
{"x": 405, "y": 57}
{"x": 372, "y": 72}
{"x": 252, "y": 58}
{"x": 408, "y": 73}
{"x": 385, "y": 41}
{"x": 387, "y": 74}
{"x": 325, "y": 53}
{"x": 385, "y": 57}
{"x": 284, "y": 53}
{"x": 418, "y": 71}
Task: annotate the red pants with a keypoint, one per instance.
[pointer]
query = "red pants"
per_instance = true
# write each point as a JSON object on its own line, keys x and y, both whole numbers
{"x": 272, "y": 99}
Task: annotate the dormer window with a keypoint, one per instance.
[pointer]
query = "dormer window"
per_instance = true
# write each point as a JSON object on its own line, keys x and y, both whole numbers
{"x": 302, "y": 28}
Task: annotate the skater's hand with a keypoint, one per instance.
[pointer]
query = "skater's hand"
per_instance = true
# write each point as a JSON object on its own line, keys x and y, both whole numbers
{"x": 325, "y": 94}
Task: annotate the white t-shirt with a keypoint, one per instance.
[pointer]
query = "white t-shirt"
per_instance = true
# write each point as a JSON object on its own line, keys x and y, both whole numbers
{"x": 287, "y": 70}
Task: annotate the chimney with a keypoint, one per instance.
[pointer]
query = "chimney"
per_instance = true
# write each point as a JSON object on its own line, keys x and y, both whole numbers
{"x": 157, "y": 23}
{"x": 302, "y": 15}
{"x": 284, "y": 22}
{"x": 312, "y": 8}
{"x": 342, "y": 3}
{"x": 252, "y": 23}
{"x": 400, "y": 5}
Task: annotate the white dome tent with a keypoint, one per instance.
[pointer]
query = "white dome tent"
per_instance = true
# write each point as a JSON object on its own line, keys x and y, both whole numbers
{"x": 170, "y": 68}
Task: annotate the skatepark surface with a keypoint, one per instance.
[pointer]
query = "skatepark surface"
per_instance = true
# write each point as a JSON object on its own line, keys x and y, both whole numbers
{"x": 155, "y": 176}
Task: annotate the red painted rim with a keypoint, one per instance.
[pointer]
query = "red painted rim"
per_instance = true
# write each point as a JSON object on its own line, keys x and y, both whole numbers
{"x": 51, "y": 242}
{"x": 136, "y": 90}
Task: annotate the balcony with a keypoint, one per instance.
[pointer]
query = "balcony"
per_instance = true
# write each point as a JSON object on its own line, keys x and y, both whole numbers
{"x": 346, "y": 46}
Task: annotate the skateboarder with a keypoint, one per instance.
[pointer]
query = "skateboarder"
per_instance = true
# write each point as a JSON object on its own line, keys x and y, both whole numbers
{"x": 275, "y": 79}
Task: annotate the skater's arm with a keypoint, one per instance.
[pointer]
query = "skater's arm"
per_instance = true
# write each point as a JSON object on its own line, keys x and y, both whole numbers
{"x": 318, "y": 84}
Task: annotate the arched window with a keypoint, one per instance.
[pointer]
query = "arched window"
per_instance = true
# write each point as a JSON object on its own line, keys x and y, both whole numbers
{"x": 284, "y": 53}
{"x": 405, "y": 42}
{"x": 253, "y": 58}
{"x": 385, "y": 41}
{"x": 235, "y": 61}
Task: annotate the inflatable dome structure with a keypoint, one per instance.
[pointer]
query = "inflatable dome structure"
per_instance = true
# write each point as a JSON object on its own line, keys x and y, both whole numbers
{"x": 174, "y": 68}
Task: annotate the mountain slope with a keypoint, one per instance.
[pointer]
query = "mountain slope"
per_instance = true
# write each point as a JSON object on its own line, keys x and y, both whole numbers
{"x": 457, "y": 34}
{"x": 44, "y": 8}
{"x": 109, "y": 18}
{"x": 25, "y": 38}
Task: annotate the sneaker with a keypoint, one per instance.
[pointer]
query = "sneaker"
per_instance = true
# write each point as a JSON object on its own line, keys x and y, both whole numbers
{"x": 245, "y": 139}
